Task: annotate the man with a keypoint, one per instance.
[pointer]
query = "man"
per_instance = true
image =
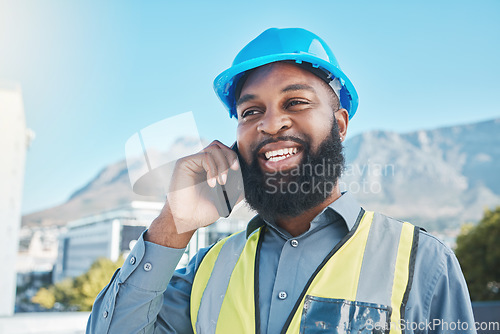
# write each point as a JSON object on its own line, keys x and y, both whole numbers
{"x": 312, "y": 260}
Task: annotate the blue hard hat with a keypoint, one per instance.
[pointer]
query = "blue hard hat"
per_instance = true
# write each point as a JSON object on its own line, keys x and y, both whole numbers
{"x": 290, "y": 44}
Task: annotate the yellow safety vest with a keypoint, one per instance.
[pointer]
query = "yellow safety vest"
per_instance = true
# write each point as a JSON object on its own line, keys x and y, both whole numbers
{"x": 360, "y": 287}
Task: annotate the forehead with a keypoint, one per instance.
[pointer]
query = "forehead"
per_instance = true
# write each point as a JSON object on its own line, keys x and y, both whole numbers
{"x": 280, "y": 73}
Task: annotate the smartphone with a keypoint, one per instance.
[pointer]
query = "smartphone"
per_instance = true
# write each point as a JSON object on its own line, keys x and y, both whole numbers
{"x": 228, "y": 194}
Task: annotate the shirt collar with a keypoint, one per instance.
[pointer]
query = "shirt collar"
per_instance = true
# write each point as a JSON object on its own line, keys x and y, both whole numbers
{"x": 346, "y": 206}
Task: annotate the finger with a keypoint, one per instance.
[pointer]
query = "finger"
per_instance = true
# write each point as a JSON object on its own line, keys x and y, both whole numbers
{"x": 210, "y": 167}
{"x": 228, "y": 159}
{"x": 221, "y": 162}
{"x": 231, "y": 156}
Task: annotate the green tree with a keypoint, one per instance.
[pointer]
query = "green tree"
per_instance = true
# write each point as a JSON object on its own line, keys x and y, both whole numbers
{"x": 88, "y": 285}
{"x": 44, "y": 297}
{"x": 479, "y": 254}
{"x": 78, "y": 293}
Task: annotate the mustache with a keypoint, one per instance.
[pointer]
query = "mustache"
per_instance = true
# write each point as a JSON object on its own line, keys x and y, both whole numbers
{"x": 297, "y": 140}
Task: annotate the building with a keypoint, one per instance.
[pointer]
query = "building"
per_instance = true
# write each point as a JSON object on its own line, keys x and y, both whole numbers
{"x": 109, "y": 234}
{"x": 15, "y": 139}
{"x": 113, "y": 233}
{"x": 35, "y": 259}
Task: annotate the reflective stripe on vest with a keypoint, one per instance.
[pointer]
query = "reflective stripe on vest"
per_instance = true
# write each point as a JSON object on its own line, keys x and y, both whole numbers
{"x": 371, "y": 266}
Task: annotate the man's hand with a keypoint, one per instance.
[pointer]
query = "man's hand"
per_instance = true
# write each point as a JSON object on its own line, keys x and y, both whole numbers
{"x": 192, "y": 199}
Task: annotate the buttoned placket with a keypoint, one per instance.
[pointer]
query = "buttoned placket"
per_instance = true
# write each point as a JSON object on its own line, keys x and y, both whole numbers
{"x": 284, "y": 291}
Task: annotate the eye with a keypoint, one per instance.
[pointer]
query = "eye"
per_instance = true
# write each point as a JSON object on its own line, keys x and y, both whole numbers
{"x": 249, "y": 112}
{"x": 293, "y": 103}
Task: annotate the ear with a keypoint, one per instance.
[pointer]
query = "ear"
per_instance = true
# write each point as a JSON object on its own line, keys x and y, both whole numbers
{"x": 342, "y": 117}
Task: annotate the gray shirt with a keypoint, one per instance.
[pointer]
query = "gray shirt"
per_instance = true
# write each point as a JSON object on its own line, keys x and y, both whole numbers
{"x": 147, "y": 295}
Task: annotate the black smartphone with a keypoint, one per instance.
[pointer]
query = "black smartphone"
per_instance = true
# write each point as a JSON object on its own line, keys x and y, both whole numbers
{"x": 228, "y": 194}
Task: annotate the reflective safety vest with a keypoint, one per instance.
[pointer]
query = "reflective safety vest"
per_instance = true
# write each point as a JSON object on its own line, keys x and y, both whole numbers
{"x": 361, "y": 286}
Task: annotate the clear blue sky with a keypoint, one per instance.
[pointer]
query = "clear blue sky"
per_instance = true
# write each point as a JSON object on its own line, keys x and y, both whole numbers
{"x": 95, "y": 72}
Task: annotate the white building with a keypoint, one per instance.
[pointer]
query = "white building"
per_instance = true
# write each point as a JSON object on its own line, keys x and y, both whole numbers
{"x": 114, "y": 233}
{"x": 109, "y": 234}
{"x": 14, "y": 139}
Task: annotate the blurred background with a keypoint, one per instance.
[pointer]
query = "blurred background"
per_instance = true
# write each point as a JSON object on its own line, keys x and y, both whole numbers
{"x": 78, "y": 78}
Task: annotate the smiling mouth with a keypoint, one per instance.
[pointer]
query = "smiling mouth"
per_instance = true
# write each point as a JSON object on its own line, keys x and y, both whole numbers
{"x": 280, "y": 154}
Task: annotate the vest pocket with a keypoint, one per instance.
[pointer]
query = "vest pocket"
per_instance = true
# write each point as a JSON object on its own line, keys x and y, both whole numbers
{"x": 327, "y": 315}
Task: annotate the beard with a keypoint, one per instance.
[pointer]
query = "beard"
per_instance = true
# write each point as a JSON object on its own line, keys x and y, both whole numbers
{"x": 292, "y": 192}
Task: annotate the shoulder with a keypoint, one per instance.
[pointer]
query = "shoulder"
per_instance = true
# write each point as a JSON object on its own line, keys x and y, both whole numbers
{"x": 433, "y": 256}
{"x": 429, "y": 245}
{"x": 433, "y": 261}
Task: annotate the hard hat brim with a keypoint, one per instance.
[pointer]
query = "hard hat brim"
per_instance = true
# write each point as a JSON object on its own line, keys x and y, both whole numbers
{"x": 224, "y": 85}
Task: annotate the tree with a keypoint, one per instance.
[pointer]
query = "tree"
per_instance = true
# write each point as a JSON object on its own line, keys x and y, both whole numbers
{"x": 93, "y": 281}
{"x": 478, "y": 252}
{"x": 78, "y": 293}
{"x": 44, "y": 297}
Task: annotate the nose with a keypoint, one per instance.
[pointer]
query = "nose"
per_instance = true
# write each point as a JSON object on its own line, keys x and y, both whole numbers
{"x": 273, "y": 122}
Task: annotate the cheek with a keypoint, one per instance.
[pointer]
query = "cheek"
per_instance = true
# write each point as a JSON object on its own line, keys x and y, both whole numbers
{"x": 318, "y": 127}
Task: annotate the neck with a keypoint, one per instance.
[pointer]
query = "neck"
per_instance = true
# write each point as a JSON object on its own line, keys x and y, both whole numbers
{"x": 301, "y": 223}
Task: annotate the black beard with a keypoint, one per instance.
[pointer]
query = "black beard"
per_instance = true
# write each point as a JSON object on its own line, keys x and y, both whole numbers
{"x": 290, "y": 193}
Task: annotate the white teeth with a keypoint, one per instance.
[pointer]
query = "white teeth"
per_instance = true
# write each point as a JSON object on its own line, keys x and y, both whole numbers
{"x": 280, "y": 154}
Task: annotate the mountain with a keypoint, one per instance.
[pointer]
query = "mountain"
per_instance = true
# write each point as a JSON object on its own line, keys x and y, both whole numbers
{"x": 109, "y": 189}
{"x": 434, "y": 178}
{"x": 437, "y": 178}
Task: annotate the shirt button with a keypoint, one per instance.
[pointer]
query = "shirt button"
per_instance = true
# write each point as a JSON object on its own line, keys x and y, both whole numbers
{"x": 294, "y": 243}
{"x": 132, "y": 260}
{"x": 105, "y": 314}
{"x": 282, "y": 295}
{"x": 148, "y": 266}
